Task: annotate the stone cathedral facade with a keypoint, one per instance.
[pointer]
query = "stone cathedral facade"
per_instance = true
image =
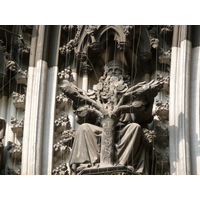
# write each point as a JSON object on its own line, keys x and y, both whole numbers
{"x": 99, "y": 99}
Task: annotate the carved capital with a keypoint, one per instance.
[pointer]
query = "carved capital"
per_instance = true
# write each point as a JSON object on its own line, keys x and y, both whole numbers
{"x": 85, "y": 68}
{"x": 154, "y": 42}
{"x": 17, "y": 125}
{"x": 81, "y": 56}
{"x": 21, "y": 76}
{"x": 11, "y": 65}
{"x": 15, "y": 150}
{"x": 18, "y": 100}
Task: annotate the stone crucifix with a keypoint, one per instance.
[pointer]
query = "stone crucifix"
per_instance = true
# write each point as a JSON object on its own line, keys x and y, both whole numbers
{"x": 108, "y": 100}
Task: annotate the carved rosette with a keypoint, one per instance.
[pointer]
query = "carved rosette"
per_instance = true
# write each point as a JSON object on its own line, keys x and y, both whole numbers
{"x": 15, "y": 150}
{"x": 18, "y": 100}
{"x": 62, "y": 169}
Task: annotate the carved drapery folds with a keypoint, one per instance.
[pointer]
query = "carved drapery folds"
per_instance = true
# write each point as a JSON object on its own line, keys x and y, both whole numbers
{"x": 110, "y": 98}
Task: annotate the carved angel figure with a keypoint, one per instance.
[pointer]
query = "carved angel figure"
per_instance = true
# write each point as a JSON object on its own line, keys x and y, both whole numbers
{"x": 112, "y": 116}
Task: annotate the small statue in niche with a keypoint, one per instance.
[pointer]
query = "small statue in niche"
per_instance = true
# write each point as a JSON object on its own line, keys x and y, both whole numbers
{"x": 112, "y": 116}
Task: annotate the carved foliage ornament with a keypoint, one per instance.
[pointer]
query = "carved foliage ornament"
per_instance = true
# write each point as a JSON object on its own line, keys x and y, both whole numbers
{"x": 110, "y": 98}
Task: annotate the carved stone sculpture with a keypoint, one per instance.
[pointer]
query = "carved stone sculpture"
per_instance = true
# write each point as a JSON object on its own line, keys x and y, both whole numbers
{"x": 17, "y": 125}
{"x": 62, "y": 169}
{"x": 62, "y": 123}
{"x": 118, "y": 110}
{"x": 19, "y": 100}
{"x": 15, "y": 150}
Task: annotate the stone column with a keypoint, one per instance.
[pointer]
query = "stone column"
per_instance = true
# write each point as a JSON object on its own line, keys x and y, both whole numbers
{"x": 35, "y": 102}
{"x": 184, "y": 101}
{"x": 194, "y": 108}
{"x": 85, "y": 79}
{"x": 71, "y": 114}
{"x": 50, "y": 102}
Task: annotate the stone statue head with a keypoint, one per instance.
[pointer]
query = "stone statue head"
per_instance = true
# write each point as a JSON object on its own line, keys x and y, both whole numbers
{"x": 115, "y": 68}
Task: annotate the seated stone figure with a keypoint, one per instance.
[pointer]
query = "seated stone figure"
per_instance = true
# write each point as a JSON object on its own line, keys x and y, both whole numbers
{"x": 112, "y": 116}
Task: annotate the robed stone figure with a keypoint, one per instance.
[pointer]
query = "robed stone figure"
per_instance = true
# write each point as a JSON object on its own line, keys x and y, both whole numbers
{"x": 112, "y": 118}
